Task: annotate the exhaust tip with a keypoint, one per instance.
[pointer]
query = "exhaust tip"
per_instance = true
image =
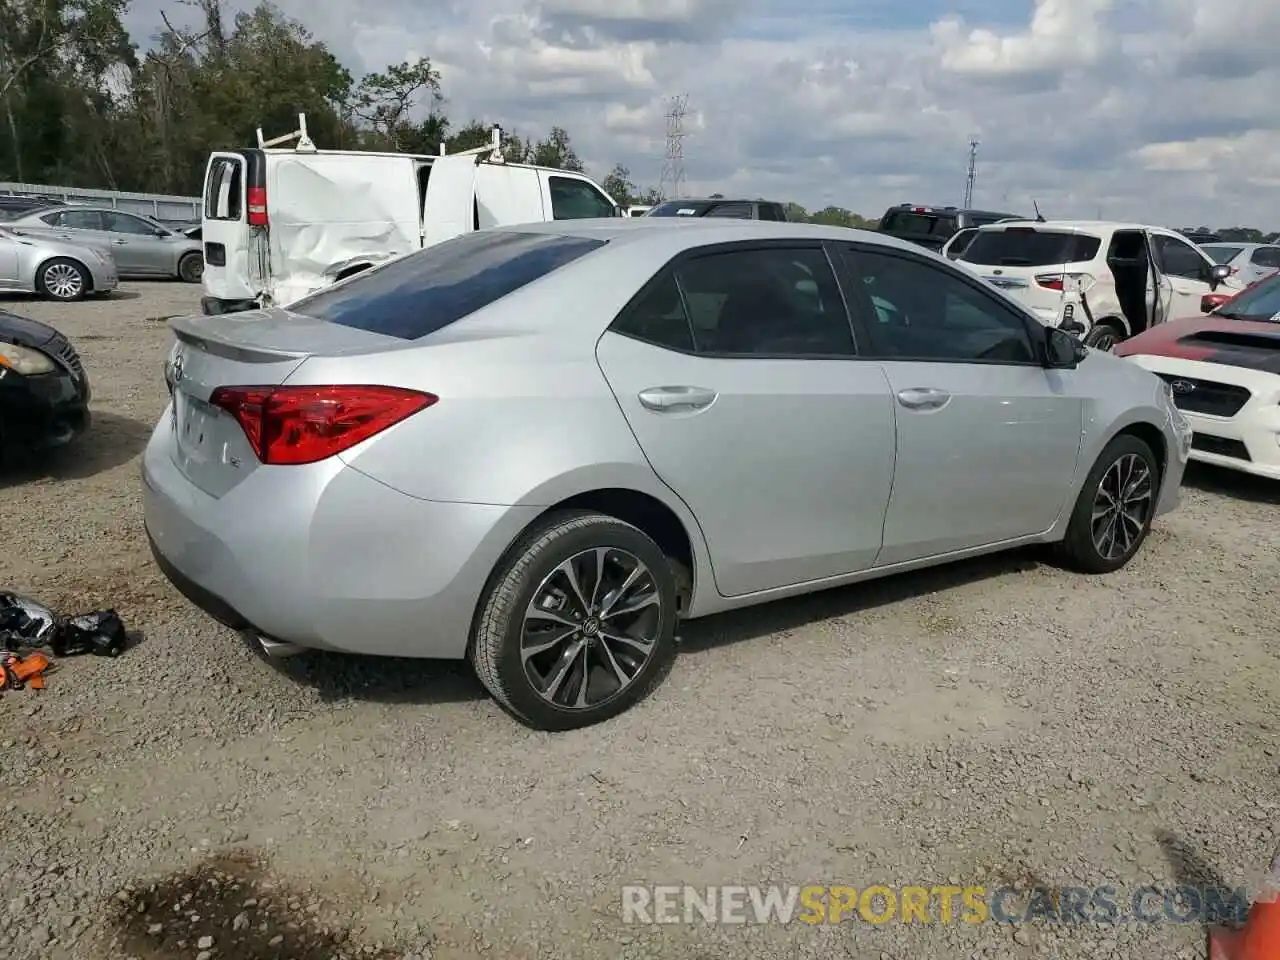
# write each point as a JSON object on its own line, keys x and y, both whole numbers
{"x": 273, "y": 649}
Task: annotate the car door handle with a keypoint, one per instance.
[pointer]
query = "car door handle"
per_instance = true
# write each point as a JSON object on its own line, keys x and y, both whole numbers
{"x": 923, "y": 398}
{"x": 119, "y": 243}
{"x": 668, "y": 399}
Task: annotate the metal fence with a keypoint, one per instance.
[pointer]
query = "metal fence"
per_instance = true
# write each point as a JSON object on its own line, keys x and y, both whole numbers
{"x": 156, "y": 205}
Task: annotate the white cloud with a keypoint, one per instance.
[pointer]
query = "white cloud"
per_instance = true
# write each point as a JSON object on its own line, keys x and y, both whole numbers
{"x": 1148, "y": 109}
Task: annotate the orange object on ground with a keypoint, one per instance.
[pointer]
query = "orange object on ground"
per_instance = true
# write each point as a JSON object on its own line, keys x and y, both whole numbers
{"x": 17, "y": 672}
{"x": 1260, "y": 938}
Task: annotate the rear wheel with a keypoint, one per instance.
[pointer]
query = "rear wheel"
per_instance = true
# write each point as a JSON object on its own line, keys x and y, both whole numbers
{"x": 1105, "y": 335}
{"x": 63, "y": 279}
{"x": 577, "y": 623}
{"x": 191, "y": 268}
{"x": 1113, "y": 513}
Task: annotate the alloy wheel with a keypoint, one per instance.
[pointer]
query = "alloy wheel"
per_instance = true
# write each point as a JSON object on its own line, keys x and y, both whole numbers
{"x": 63, "y": 281}
{"x": 1121, "y": 506}
{"x": 590, "y": 628}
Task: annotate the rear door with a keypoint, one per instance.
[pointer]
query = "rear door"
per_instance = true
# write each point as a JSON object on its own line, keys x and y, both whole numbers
{"x": 987, "y": 438}
{"x": 1263, "y": 262}
{"x": 737, "y": 372}
{"x": 225, "y": 230}
{"x": 449, "y": 202}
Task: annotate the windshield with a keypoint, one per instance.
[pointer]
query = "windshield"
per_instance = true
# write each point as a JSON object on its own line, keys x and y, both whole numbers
{"x": 679, "y": 208}
{"x": 1259, "y": 302}
{"x": 1029, "y": 247}
{"x": 1222, "y": 254}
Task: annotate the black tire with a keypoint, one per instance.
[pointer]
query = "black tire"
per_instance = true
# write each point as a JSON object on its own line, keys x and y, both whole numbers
{"x": 1080, "y": 549}
{"x": 64, "y": 280}
{"x": 191, "y": 268}
{"x": 1105, "y": 335}
{"x": 533, "y": 566}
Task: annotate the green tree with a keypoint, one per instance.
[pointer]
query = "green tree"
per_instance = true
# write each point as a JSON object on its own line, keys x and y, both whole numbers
{"x": 385, "y": 102}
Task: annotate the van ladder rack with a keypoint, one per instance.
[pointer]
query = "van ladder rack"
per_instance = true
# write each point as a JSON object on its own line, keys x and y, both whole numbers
{"x": 493, "y": 149}
{"x": 304, "y": 144}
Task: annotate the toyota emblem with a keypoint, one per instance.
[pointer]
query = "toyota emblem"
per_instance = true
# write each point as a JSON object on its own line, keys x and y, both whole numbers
{"x": 176, "y": 370}
{"x": 1182, "y": 386}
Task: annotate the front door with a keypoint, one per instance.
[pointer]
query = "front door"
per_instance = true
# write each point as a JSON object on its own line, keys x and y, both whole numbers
{"x": 138, "y": 250}
{"x": 737, "y": 373}
{"x": 1185, "y": 273}
{"x": 987, "y": 437}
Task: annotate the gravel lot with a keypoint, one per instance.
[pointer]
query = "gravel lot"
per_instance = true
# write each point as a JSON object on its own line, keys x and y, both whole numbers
{"x": 997, "y": 721}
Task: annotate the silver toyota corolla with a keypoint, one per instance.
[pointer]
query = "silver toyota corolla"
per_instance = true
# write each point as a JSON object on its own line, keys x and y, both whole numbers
{"x": 54, "y": 268}
{"x": 543, "y": 446}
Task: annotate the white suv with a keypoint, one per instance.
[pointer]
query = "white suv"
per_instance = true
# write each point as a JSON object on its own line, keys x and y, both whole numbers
{"x": 1106, "y": 281}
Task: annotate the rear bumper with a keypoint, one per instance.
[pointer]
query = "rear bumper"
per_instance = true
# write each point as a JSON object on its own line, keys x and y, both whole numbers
{"x": 215, "y": 306}
{"x": 324, "y": 557}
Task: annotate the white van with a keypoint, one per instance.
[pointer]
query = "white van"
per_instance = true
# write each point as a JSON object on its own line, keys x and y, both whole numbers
{"x": 282, "y": 222}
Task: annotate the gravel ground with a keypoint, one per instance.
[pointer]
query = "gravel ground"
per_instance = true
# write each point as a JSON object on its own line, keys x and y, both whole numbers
{"x": 995, "y": 722}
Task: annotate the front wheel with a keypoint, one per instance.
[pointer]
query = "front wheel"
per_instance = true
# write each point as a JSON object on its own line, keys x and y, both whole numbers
{"x": 1113, "y": 513}
{"x": 63, "y": 279}
{"x": 191, "y": 268}
{"x": 577, "y": 623}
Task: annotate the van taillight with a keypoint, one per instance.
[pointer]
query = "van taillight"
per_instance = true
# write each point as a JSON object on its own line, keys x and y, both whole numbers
{"x": 257, "y": 206}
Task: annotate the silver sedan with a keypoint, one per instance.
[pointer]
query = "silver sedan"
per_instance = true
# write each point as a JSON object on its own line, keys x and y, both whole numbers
{"x": 142, "y": 247}
{"x": 541, "y": 447}
{"x": 53, "y": 268}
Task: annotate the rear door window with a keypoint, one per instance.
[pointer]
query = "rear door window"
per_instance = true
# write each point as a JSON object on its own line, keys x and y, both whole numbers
{"x": 222, "y": 191}
{"x": 1028, "y": 247}
{"x": 426, "y": 291}
{"x": 918, "y": 224}
{"x": 736, "y": 211}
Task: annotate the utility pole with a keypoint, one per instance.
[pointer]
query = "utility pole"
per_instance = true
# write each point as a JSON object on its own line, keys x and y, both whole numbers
{"x": 973, "y": 172}
{"x": 671, "y": 181}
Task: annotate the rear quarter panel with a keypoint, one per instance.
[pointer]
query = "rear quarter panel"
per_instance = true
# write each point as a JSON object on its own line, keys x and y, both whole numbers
{"x": 525, "y": 416}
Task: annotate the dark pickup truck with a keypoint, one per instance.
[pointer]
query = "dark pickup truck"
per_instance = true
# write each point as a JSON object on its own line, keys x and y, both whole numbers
{"x": 932, "y": 227}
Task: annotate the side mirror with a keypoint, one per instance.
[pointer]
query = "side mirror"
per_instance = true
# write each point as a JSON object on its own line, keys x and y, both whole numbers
{"x": 1061, "y": 350}
{"x": 1217, "y": 273}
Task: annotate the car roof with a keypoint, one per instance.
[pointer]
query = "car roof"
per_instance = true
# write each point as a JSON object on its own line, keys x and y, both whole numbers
{"x": 1085, "y": 226}
{"x": 678, "y": 234}
{"x": 1242, "y": 244}
{"x": 712, "y": 200}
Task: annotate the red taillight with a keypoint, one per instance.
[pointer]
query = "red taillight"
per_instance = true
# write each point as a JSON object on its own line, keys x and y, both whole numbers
{"x": 1050, "y": 281}
{"x": 257, "y": 206}
{"x": 294, "y": 425}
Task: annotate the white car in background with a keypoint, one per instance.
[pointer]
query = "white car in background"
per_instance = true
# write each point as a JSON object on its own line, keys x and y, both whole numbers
{"x": 1249, "y": 262}
{"x": 1102, "y": 280}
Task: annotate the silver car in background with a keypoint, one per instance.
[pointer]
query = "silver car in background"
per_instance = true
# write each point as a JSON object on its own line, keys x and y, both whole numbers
{"x": 1249, "y": 262}
{"x": 540, "y": 447}
{"x": 53, "y": 268}
{"x": 143, "y": 248}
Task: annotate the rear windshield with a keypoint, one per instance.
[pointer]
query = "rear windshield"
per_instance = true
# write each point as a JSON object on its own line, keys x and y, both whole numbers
{"x": 1223, "y": 254}
{"x": 426, "y": 291}
{"x": 679, "y": 208}
{"x": 1029, "y": 247}
{"x": 918, "y": 224}
{"x": 1259, "y": 302}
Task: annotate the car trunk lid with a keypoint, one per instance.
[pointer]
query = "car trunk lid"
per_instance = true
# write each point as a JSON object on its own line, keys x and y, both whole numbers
{"x": 253, "y": 348}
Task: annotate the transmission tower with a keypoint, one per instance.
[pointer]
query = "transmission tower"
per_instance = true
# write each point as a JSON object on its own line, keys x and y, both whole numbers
{"x": 671, "y": 181}
{"x": 973, "y": 172}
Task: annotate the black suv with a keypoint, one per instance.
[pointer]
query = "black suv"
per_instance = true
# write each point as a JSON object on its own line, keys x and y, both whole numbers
{"x": 720, "y": 207}
{"x": 932, "y": 227}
